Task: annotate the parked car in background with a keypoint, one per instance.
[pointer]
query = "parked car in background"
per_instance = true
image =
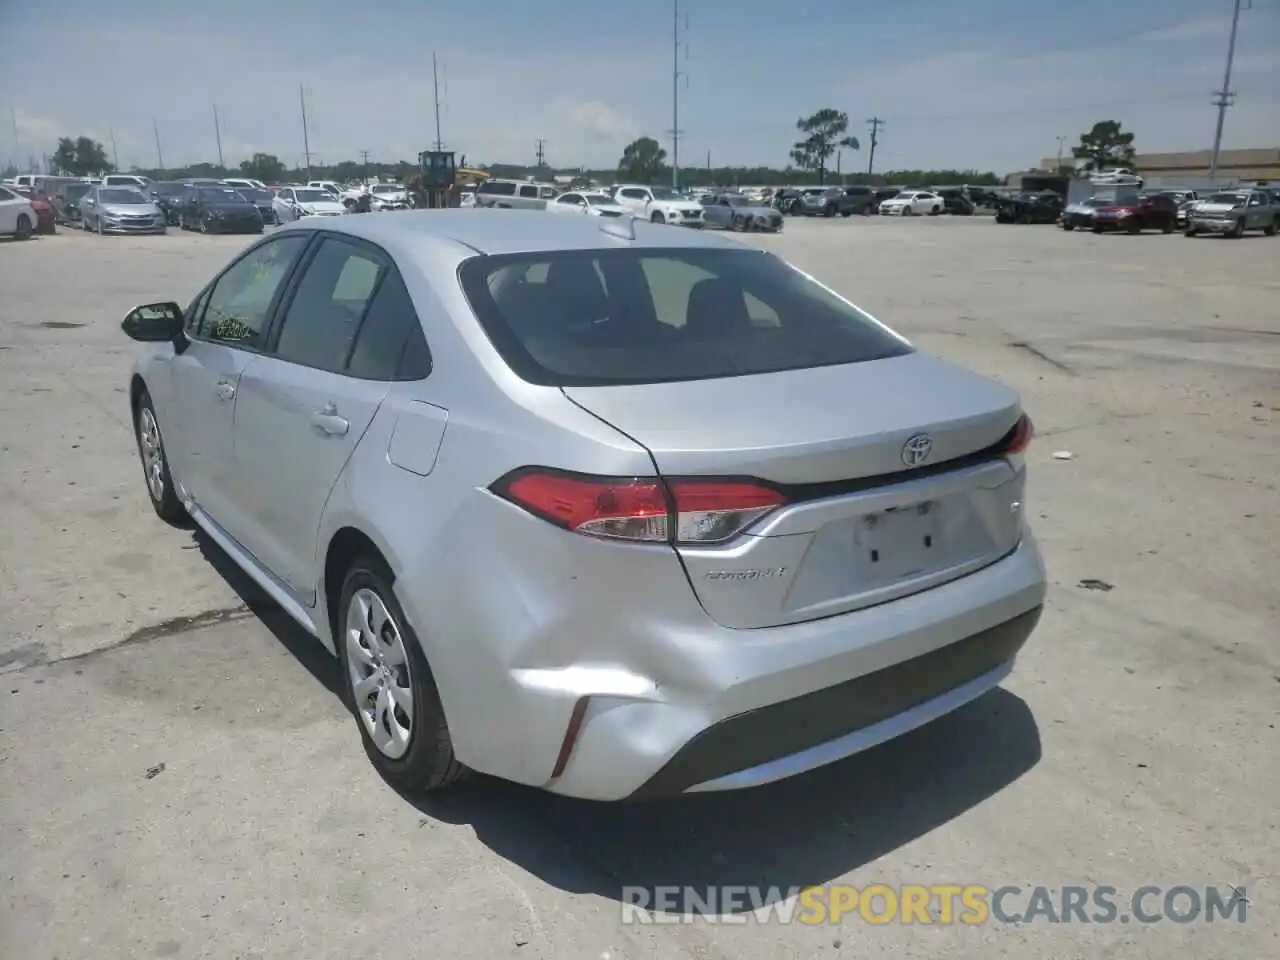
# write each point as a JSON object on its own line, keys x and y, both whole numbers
{"x": 106, "y": 210}
{"x": 1081, "y": 214}
{"x": 1233, "y": 212}
{"x": 735, "y": 212}
{"x": 883, "y": 194}
{"x": 134, "y": 180}
{"x": 955, "y": 202}
{"x": 514, "y": 194}
{"x": 789, "y": 200}
{"x": 241, "y": 183}
{"x": 66, "y": 201}
{"x": 1145, "y": 212}
{"x": 1045, "y": 206}
{"x": 752, "y": 551}
{"x": 219, "y": 209}
{"x": 263, "y": 199}
{"x": 912, "y": 203}
{"x": 587, "y": 203}
{"x": 660, "y": 205}
{"x": 388, "y": 196}
{"x": 294, "y": 203}
{"x": 981, "y": 196}
{"x": 829, "y": 201}
{"x": 46, "y": 219}
{"x": 17, "y": 217}
{"x": 168, "y": 196}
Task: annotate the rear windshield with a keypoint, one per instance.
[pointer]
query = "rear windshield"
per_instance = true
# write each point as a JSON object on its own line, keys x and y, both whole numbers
{"x": 600, "y": 317}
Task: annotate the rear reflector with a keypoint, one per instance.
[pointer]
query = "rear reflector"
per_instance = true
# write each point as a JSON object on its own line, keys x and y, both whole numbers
{"x": 698, "y": 511}
{"x": 1020, "y": 436}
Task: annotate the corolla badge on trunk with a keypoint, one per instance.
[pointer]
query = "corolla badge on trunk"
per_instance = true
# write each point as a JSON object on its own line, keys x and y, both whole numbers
{"x": 917, "y": 449}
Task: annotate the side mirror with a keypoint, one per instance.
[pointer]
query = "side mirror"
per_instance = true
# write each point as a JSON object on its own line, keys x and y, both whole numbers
{"x": 153, "y": 322}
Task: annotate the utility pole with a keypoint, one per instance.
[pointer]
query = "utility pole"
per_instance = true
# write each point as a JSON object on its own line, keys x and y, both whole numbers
{"x": 115, "y": 157}
{"x": 542, "y": 155}
{"x": 1225, "y": 97}
{"x": 875, "y": 123}
{"x": 306, "y": 142}
{"x": 13, "y": 117}
{"x": 435, "y": 81}
{"x": 217, "y": 132}
{"x": 159, "y": 155}
{"x": 364, "y": 162}
{"x": 676, "y": 74}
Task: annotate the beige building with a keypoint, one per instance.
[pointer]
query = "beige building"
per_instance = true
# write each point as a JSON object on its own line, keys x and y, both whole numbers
{"x": 1255, "y": 164}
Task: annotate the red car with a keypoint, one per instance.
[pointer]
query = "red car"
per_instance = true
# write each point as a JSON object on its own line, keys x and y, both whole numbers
{"x": 1148, "y": 212}
{"x": 46, "y": 221}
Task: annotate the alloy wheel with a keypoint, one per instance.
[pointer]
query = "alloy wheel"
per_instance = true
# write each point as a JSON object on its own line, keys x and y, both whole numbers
{"x": 378, "y": 669}
{"x": 152, "y": 453}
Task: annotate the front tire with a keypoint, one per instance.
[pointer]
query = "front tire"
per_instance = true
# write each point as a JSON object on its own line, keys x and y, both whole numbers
{"x": 1238, "y": 231}
{"x": 657, "y": 218}
{"x": 389, "y": 685}
{"x": 155, "y": 465}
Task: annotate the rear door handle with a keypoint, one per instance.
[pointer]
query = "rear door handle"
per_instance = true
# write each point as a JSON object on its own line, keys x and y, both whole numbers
{"x": 226, "y": 390}
{"x": 329, "y": 423}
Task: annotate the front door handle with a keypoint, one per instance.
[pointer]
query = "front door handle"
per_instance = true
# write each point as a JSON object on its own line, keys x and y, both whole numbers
{"x": 329, "y": 423}
{"x": 226, "y": 389}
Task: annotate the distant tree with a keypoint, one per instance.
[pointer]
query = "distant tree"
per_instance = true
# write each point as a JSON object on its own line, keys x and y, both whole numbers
{"x": 265, "y": 167}
{"x": 81, "y": 157}
{"x": 824, "y": 133}
{"x": 642, "y": 161}
{"x": 1105, "y": 146}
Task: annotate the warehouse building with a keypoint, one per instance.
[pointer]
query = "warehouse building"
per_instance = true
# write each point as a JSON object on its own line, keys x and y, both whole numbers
{"x": 1233, "y": 165}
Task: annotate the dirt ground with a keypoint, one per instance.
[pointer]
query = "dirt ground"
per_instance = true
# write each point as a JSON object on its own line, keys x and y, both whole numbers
{"x": 180, "y": 780}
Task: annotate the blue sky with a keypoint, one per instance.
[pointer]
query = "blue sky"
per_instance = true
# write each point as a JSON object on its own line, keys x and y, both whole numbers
{"x": 989, "y": 84}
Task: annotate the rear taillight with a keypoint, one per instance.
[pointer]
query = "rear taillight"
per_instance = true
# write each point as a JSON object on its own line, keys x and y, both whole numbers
{"x": 1020, "y": 436}
{"x": 697, "y": 511}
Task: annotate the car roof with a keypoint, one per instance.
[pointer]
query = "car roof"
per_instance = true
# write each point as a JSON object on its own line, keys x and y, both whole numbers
{"x": 509, "y": 231}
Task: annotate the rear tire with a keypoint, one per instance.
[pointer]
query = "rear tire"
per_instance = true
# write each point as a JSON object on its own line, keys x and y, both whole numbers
{"x": 1189, "y": 232}
{"x": 417, "y": 755}
{"x": 22, "y": 231}
{"x": 1270, "y": 229}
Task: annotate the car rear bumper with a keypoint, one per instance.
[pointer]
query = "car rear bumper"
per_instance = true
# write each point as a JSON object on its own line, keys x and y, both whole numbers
{"x": 608, "y": 680}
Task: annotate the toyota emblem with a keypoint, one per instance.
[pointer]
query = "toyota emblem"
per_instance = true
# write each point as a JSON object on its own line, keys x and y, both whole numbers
{"x": 916, "y": 450}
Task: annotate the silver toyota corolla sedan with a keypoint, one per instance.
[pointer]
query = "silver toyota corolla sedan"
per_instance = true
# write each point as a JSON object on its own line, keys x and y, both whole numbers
{"x": 593, "y": 505}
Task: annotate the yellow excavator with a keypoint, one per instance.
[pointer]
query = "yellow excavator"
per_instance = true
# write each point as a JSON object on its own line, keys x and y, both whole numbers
{"x": 435, "y": 186}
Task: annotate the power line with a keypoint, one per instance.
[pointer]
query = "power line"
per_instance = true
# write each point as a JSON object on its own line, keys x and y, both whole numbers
{"x": 875, "y": 123}
{"x": 1225, "y": 97}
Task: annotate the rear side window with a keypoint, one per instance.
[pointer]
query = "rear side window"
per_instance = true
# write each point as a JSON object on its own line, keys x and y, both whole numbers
{"x": 390, "y": 344}
{"x": 502, "y": 189}
{"x": 599, "y": 317}
{"x": 528, "y": 191}
{"x": 320, "y": 325}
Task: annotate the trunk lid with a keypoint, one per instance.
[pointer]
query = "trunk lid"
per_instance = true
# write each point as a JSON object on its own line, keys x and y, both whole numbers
{"x": 860, "y": 527}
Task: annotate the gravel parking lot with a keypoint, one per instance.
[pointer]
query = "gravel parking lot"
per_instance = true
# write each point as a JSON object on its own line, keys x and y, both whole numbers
{"x": 180, "y": 780}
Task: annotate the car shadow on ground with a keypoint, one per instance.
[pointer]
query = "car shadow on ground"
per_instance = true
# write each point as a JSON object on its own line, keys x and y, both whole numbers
{"x": 804, "y": 831}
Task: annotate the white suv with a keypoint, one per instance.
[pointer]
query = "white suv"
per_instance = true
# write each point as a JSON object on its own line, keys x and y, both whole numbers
{"x": 660, "y": 204}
